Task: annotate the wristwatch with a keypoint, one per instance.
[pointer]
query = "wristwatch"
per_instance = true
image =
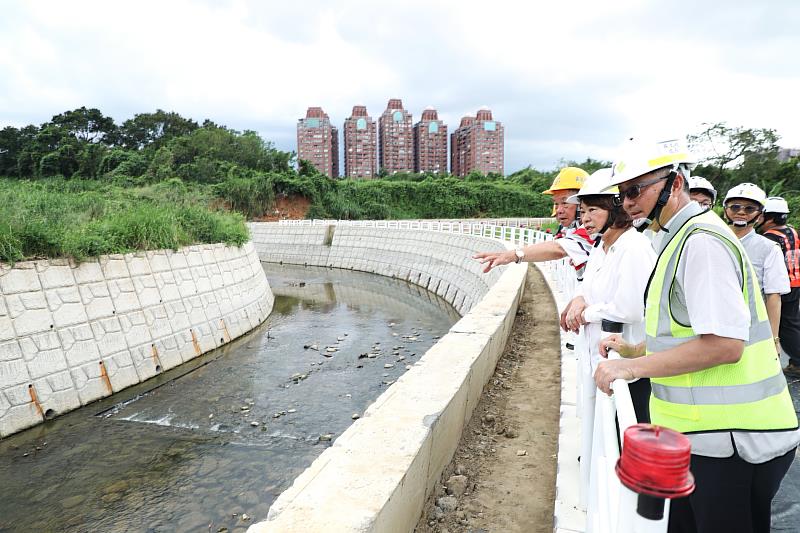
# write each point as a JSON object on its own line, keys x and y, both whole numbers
{"x": 520, "y": 255}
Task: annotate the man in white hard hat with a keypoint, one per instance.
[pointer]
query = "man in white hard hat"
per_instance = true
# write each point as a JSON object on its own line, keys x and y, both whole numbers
{"x": 709, "y": 352}
{"x": 702, "y": 192}
{"x": 571, "y": 241}
{"x": 743, "y": 205}
{"x": 775, "y": 228}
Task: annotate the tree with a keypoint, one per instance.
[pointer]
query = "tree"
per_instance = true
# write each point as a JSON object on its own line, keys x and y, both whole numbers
{"x": 721, "y": 146}
{"x": 146, "y": 129}
{"x": 87, "y": 125}
{"x": 13, "y": 142}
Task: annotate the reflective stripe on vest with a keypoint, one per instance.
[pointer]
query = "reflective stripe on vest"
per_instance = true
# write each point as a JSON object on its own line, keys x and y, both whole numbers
{"x": 790, "y": 246}
{"x": 750, "y": 394}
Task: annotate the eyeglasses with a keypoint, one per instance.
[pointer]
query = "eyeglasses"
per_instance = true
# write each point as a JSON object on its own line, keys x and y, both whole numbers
{"x": 635, "y": 190}
{"x": 748, "y": 209}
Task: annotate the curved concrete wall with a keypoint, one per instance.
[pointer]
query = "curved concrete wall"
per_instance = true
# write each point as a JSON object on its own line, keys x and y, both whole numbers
{"x": 377, "y": 474}
{"x": 439, "y": 262}
{"x": 71, "y": 334}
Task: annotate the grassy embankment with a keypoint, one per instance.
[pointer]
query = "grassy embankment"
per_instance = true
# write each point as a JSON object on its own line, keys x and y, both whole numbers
{"x": 83, "y": 218}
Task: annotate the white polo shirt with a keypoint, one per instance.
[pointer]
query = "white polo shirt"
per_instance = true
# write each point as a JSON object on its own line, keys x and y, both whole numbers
{"x": 767, "y": 259}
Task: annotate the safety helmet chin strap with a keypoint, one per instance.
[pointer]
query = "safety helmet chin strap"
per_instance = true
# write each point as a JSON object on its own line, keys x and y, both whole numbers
{"x": 644, "y": 223}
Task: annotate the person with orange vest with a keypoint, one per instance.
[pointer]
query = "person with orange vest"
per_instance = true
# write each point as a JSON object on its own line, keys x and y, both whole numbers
{"x": 774, "y": 227}
{"x": 571, "y": 241}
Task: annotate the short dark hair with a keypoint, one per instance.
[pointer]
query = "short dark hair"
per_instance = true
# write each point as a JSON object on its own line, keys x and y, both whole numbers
{"x": 777, "y": 218}
{"x": 617, "y": 217}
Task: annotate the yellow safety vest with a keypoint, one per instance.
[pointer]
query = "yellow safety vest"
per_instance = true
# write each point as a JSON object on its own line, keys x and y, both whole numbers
{"x": 749, "y": 395}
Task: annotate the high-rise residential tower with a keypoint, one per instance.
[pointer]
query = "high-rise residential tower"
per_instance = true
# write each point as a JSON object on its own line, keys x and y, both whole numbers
{"x": 430, "y": 143}
{"x": 396, "y": 143}
{"x": 477, "y": 144}
{"x": 318, "y": 142}
{"x": 360, "y": 138}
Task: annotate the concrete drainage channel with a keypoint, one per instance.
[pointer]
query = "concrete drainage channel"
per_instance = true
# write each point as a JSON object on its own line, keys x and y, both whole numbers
{"x": 378, "y": 474}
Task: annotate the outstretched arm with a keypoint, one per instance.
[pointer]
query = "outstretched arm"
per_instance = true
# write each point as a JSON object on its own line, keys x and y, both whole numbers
{"x": 542, "y": 251}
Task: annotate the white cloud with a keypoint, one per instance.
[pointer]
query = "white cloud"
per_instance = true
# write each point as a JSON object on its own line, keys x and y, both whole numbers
{"x": 568, "y": 79}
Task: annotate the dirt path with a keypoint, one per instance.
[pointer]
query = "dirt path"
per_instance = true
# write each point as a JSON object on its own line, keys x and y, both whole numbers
{"x": 502, "y": 477}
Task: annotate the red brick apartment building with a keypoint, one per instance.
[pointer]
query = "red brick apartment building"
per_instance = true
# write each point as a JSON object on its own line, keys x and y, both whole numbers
{"x": 477, "y": 144}
{"x": 430, "y": 143}
{"x": 318, "y": 142}
{"x": 360, "y": 144}
{"x": 396, "y": 141}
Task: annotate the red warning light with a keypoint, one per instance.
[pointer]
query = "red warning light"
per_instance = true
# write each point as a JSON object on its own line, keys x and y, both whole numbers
{"x": 655, "y": 461}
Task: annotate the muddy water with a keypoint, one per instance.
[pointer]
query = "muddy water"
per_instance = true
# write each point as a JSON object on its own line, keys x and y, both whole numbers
{"x": 210, "y": 445}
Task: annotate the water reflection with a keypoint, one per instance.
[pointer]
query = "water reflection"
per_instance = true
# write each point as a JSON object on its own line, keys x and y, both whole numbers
{"x": 213, "y": 443}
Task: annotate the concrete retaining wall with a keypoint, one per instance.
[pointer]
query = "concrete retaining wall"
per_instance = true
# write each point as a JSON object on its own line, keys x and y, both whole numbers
{"x": 377, "y": 474}
{"x": 439, "y": 262}
{"x": 71, "y": 334}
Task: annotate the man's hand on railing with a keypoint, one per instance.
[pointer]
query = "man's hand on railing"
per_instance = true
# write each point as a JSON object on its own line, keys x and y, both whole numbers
{"x": 609, "y": 371}
{"x": 495, "y": 259}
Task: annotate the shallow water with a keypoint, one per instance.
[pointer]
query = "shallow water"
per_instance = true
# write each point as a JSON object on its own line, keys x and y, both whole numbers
{"x": 201, "y": 446}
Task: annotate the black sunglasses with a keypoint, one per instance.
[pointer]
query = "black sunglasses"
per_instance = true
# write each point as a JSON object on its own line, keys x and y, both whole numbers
{"x": 635, "y": 190}
{"x": 748, "y": 209}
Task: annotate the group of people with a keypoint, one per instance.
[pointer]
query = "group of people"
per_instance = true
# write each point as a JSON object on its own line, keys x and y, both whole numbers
{"x": 704, "y": 305}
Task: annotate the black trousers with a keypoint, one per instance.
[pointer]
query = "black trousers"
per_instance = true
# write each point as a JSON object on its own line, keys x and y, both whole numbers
{"x": 789, "y": 329}
{"x": 640, "y": 396}
{"x": 730, "y": 495}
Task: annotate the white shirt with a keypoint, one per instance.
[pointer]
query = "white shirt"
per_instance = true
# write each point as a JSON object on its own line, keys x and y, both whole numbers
{"x": 708, "y": 296}
{"x": 613, "y": 288}
{"x": 767, "y": 259}
{"x": 577, "y": 244}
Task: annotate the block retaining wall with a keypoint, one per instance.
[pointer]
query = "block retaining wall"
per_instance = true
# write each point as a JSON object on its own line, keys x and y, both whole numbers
{"x": 377, "y": 475}
{"x": 71, "y": 334}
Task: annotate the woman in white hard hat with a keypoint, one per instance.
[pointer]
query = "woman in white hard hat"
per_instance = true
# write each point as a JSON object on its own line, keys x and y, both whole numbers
{"x": 702, "y": 192}
{"x": 708, "y": 350}
{"x": 775, "y": 228}
{"x": 742, "y": 208}
{"x": 615, "y": 278}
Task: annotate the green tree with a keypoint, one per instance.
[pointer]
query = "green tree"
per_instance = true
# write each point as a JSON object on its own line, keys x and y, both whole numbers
{"x": 722, "y": 147}
{"x": 154, "y": 129}
{"x": 87, "y": 125}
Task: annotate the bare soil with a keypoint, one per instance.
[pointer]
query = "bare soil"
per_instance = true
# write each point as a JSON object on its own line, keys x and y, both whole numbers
{"x": 508, "y": 450}
{"x": 287, "y": 208}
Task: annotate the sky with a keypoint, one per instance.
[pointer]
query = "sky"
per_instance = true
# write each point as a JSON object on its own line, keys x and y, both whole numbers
{"x": 569, "y": 79}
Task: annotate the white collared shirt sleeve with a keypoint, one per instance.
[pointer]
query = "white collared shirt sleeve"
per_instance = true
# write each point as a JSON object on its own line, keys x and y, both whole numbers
{"x": 576, "y": 247}
{"x": 709, "y": 277}
{"x": 776, "y": 277}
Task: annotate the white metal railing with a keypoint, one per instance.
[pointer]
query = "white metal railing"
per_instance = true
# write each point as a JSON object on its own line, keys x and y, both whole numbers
{"x": 610, "y": 507}
{"x": 532, "y": 223}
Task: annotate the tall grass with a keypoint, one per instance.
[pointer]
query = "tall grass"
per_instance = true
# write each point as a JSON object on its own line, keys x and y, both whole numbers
{"x": 79, "y": 219}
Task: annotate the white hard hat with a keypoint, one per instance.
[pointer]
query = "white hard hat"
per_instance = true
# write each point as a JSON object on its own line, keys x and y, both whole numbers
{"x": 596, "y": 184}
{"x": 748, "y": 191}
{"x": 776, "y": 204}
{"x": 641, "y": 157}
{"x": 702, "y": 184}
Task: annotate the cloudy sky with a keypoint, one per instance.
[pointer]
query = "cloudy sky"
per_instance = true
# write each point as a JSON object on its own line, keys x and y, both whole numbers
{"x": 569, "y": 79}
